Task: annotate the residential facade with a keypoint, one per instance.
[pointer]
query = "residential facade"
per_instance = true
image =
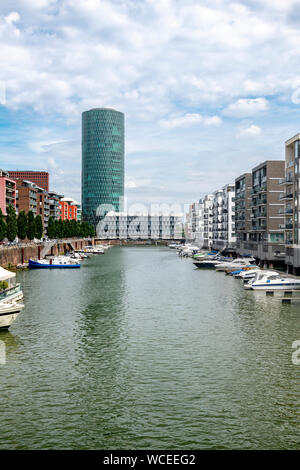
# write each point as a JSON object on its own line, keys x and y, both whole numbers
{"x": 7, "y": 191}
{"x": 30, "y": 197}
{"x": 224, "y": 217}
{"x": 291, "y": 201}
{"x": 124, "y": 226}
{"x": 265, "y": 237}
{"x": 243, "y": 208}
{"x": 54, "y": 206}
{"x": 68, "y": 209}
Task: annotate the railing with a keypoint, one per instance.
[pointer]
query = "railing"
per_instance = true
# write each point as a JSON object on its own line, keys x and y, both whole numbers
{"x": 9, "y": 292}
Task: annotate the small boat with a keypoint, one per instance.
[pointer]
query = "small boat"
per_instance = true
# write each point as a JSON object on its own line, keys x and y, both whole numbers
{"x": 272, "y": 280}
{"x": 8, "y": 314}
{"x": 238, "y": 263}
{"x": 53, "y": 264}
{"x": 13, "y": 292}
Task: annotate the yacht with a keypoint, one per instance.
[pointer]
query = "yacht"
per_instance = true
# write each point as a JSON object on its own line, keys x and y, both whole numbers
{"x": 13, "y": 292}
{"x": 238, "y": 263}
{"x": 272, "y": 280}
{"x": 8, "y": 313}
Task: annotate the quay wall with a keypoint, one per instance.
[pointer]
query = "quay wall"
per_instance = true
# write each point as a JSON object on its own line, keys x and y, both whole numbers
{"x": 15, "y": 255}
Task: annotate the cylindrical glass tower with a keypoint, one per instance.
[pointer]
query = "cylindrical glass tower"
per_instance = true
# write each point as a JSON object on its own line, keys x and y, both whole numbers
{"x": 102, "y": 178}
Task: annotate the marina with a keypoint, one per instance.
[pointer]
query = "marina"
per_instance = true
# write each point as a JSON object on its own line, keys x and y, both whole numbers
{"x": 138, "y": 348}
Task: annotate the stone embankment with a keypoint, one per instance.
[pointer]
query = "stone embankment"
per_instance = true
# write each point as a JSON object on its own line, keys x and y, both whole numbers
{"x": 19, "y": 254}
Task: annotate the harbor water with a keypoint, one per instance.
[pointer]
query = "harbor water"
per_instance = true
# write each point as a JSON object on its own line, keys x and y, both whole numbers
{"x": 140, "y": 350}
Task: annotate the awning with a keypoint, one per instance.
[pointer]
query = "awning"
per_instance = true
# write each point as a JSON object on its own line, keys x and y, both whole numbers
{"x": 5, "y": 275}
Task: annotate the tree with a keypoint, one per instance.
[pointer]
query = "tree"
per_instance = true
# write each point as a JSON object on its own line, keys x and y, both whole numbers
{"x": 2, "y": 226}
{"x": 31, "y": 226}
{"x": 22, "y": 225}
{"x": 11, "y": 223}
{"x": 51, "y": 230}
{"x": 38, "y": 227}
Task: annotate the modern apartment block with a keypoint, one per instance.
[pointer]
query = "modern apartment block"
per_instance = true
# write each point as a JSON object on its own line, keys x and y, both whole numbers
{"x": 195, "y": 223}
{"x": 102, "y": 163}
{"x": 243, "y": 204}
{"x": 31, "y": 197}
{"x": 124, "y": 226}
{"x": 54, "y": 206}
{"x": 224, "y": 217}
{"x": 208, "y": 221}
{"x": 265, "y": 238}
{"x": 40, "y": 178}
{"x": 7, "y": 191}
{"x": 68, "y": 209}
{"x": 291, "y": 200}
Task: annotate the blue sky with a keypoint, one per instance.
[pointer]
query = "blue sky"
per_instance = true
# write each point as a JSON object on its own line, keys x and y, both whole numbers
{"x": 209, "y": 88}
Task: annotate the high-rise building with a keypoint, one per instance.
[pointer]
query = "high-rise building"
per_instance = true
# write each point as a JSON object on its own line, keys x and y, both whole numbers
{"x": 102, "y": 162}
{"x": 40, "y": 178}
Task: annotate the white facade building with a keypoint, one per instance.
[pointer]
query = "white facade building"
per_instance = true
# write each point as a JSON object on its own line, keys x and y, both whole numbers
{"x": 199, "y": 222}
{"x": 124, "y": 226}
{"x": 224, "y": 217}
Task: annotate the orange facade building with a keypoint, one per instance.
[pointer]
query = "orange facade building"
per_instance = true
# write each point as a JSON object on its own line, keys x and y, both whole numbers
{"x": 68, "y": 211}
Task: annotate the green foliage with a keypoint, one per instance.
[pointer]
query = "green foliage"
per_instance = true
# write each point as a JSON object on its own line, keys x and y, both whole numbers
{"x": 69, "y": 229}
{"x": 2, "y": 226}
{"x": 51, "y": 230}
{"x": 11, "y": 223}
{"x": 38, "y": 227}
{"x": 22, "y": 225}
{"x": 31, "y": 226}
{"x": 3, "y": 285}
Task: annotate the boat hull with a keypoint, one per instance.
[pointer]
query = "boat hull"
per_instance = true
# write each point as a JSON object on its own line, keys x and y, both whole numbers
{"x": 287, "y": 286}
{"x": 37, "y": 265}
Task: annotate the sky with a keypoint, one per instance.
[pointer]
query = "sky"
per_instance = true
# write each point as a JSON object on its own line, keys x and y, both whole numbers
{"x": 209, "y": 88}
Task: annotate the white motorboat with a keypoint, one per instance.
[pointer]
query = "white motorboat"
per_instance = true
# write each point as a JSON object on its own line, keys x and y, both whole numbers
{"x": 13, "y": 292}
{"x": 249, "y": 274}
{"x": 8, "y": 314}
{"x": 238, "y": 263}
{"x": 272, "y": 280}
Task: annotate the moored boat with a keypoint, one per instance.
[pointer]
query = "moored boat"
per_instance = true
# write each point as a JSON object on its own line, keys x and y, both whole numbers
{"x": 53, "y": 264}
{"x": 13, "y": 292}
{"x": 8, "y": 314}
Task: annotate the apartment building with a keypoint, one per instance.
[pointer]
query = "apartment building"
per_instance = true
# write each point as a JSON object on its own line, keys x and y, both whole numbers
{"x": 265, "y": 238}
{"x": 54, "y": 206}
{"x": 7, "y": 191}
{"x": 68, "y": 209}
{"x": 208, "y": 221}
{"x": 195, "y": 223}
{"x": 224, "y": 217}
{"x": 243, "y": 203}
{"x": 31, "y": 197}
{"x": 124, "y": 226}
{"x": 291, "y": 201}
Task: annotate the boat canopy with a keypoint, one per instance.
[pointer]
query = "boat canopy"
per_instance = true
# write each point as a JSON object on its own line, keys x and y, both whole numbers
{"x": 4, "y": 274}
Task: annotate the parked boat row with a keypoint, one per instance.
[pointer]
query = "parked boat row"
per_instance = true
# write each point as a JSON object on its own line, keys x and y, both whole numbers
{"x": 244, "y": 268}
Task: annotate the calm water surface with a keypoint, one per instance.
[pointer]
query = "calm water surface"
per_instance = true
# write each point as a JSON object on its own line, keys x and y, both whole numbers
{"x": 139, "y": 350}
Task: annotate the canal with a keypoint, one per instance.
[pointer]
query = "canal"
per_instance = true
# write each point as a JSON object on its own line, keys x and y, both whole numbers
{"x": 139, "y": 350}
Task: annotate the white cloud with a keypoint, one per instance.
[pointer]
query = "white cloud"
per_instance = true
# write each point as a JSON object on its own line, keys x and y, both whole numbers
{"x": 190, "y": 120}
{"x": 250, "y": 131}
{"x": 246, "y": 107}
{"x": 167, "y": 64}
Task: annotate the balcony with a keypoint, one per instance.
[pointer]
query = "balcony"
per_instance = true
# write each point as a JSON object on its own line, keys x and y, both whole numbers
{"x": 286, "y": 180}
{"x": 286, "y": 196}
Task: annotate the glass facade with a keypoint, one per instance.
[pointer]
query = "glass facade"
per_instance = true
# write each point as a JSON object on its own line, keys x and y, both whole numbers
{"x": 102, "y": 162}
